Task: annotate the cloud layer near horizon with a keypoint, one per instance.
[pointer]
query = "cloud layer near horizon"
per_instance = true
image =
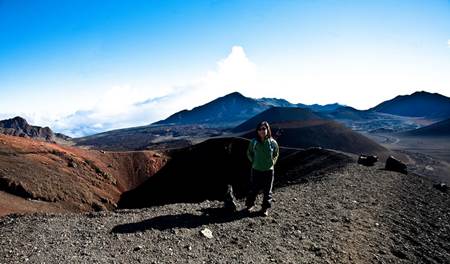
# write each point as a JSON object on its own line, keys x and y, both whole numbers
{"x": 124, "y": 106}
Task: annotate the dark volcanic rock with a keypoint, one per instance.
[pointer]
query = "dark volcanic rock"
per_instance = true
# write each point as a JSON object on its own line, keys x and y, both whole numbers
{"x": 367, "y": 160}
{"x": 394, "y": 164}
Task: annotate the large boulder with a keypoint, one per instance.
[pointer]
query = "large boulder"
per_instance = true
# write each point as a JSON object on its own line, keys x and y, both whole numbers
{"x": 394, "y": 164}
{"x": 367, "y": 160}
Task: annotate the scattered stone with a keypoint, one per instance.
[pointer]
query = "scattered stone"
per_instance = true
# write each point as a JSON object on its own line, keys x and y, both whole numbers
{"x": 138, "y": 248}
{"x": 207, "y": 233}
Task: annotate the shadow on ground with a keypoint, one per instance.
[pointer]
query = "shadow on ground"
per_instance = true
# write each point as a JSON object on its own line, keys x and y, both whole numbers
{"x": 186, "y": 220}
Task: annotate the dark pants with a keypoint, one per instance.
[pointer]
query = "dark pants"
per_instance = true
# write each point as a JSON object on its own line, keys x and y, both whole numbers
{"x": 260, "y": 181}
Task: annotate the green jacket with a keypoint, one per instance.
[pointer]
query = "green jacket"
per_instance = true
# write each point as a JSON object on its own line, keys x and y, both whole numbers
{"x": 263, "y": 155}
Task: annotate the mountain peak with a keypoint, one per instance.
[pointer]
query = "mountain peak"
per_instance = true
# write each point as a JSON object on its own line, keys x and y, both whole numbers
{"x": 16, "y": 122}
{"x": 228, "y": 110}
{"x": 234, "y": 94}
{"x": 18, "y": 126}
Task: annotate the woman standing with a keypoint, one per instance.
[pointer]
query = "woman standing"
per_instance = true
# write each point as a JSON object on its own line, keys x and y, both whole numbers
{"x": 263, "y": 153}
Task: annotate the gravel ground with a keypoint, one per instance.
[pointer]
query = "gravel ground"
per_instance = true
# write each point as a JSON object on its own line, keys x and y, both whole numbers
{"x": 354, "y": 215}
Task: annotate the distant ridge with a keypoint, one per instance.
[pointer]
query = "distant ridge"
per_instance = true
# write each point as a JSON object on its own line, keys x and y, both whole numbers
{"x": 321, "y": 108}
{"x": 418, "y": 104}
{"x": 350, "y": 113}
{"x": 233, "y": 109}
{"x": 18, "y": 126}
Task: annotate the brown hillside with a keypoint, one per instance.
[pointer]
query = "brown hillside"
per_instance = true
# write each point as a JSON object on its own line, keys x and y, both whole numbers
{"x": 61, "y": 178}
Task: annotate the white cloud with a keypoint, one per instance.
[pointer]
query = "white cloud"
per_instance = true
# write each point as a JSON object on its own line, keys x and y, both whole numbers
{"x": 124, "y": 106}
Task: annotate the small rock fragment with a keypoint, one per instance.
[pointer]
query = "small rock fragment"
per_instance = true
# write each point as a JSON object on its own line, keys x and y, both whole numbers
{"x": 207, "y": 233}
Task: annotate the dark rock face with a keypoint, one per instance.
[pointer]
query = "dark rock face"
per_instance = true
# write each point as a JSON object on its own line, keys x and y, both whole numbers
{"x": 18, "y": 126}
{"x": 394, "y": 164}
{"x": 367, "y": 160}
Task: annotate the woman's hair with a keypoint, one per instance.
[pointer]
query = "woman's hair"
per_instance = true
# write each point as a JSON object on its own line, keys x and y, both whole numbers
{"x": 265, "y": 124}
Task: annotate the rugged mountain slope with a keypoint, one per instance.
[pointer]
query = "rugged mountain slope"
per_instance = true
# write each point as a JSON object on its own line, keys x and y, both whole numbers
{"x": 60, "y": 178}
{"x": 418, "y": 104}
{"x": 229, "y": 109}
{"x": 354, "y": 214}
{"x": 439, "y": 129}
{"x": 18, "y": 126}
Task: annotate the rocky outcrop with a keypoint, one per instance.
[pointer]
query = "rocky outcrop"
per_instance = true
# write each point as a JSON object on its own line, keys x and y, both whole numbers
{"x": 18, "y": 126}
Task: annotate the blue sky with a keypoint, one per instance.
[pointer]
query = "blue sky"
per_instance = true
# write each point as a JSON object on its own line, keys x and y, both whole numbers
{"x": 85, "y": 66}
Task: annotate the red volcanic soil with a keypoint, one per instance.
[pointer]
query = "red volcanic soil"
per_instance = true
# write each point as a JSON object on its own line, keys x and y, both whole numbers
{"x": 46, "y": 177}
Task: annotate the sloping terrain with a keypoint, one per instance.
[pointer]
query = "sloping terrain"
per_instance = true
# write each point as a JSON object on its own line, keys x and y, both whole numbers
{"x": 59, "y": 178}
{"x": 229, "y": 109}
{"x": 278, "y": 115}
{"x": 374, "y": 122}
{"x": 18, "y": 126}
{"x": 145, "y": 137}
{"x": 323, "y": 133}
{"x": 439, "y": 129}
{"x": 353, "y": 214}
